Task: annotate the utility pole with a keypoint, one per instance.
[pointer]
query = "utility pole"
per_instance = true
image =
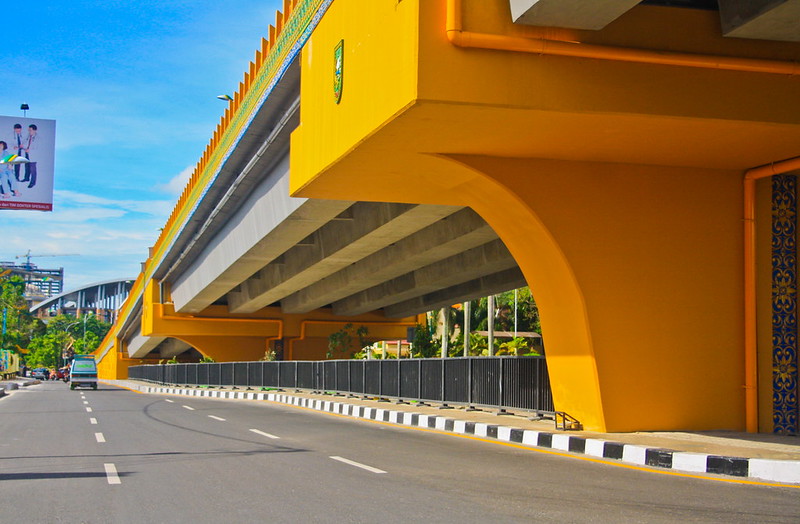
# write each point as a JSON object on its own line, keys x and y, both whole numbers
{"x": 490, "y": 314}
{"x": 445, "y": 330}
{"x": 467, "y": 327}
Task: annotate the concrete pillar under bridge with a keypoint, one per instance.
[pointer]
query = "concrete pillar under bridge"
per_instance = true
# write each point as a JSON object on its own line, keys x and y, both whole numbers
{"x": 640, "y": 306}
{"x": 613, "y": 178}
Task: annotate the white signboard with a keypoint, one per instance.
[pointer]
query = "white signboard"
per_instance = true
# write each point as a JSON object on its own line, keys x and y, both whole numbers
{"x": 27, "y": 159}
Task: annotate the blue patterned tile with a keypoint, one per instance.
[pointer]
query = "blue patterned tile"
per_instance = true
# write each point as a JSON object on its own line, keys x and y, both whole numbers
{"x": 784, "y": 305}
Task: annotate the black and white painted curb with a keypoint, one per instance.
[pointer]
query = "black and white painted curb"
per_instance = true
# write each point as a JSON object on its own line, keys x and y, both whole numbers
{"x": 787, "y": 471}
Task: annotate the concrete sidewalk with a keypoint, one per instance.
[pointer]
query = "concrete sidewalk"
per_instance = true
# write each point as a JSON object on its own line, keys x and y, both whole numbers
{"x": 760, "y": 457}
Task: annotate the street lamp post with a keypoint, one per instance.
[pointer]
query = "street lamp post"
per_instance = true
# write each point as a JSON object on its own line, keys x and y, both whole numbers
{"x": 83, "y": 347}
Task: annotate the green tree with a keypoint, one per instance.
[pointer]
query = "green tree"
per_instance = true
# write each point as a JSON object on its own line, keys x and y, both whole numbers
{"x": 423, "y": 344}
{"x": 19, "y": 325}
{"x": 45, "y": 350}
{"x": 341, "y": 343}
{"x": 527, "y": 312}
{"x": 66, "y": 335}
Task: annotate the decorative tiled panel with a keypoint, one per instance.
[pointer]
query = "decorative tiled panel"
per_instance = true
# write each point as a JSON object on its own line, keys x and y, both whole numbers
{"x": 784, "y": 304}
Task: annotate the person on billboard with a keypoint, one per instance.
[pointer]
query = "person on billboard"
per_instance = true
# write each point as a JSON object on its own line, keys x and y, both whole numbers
{"x": 6, "y": 180}
{"x": 30, "y": 167}
{"x": 16, "y": 143}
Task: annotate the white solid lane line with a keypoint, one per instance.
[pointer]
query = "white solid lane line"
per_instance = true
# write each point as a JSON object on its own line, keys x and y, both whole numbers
{"x": 92, "y": 420}
{"x": 217, "y": 418}
{"x": 268, "y": 435}
{"x": 358, "y": 465}
{"x": 111, "y": 474}
{"x": 99, "y": 437}
{"x": 190, "y": 408}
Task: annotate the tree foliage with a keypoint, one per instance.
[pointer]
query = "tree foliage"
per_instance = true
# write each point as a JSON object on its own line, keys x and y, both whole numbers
{"x": 424, "y": 345}
{"x": 64, "y": 336}
{"x": 341, "y": 344}
{"x": 19, "y": 325}
{"x": 527, "y": 312}
{"x": 527, "y": 319}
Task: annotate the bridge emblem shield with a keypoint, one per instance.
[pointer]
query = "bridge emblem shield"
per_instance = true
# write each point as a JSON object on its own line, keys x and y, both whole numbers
{"x": 338, "y": 70}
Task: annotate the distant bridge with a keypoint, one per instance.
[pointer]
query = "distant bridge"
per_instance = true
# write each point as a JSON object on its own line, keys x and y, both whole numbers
{"x": 102, "y": 298}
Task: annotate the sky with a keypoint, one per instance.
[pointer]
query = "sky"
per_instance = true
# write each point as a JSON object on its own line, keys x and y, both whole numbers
{"x": 132, "y": 86}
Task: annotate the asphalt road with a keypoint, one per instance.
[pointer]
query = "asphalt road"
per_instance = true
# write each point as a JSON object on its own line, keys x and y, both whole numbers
{"x": 113, "y": 455}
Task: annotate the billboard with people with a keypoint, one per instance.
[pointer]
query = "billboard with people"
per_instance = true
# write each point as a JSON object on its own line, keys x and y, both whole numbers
{"x": 27, "y": 160}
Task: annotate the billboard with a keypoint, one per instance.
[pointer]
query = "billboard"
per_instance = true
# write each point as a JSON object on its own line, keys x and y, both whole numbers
{"x": 27, "y": 160}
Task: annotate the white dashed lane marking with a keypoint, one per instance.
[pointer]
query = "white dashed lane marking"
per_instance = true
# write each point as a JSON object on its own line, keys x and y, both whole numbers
{"x": 190, "y": 408}
{"x": 358, "y": 465}
{"x": 263, "y": 434}
{"x": 92, "y": 420}
{"x": 100, "y": 438}
{"x": 111, "y": 474}
{"x": 217, "y": 418}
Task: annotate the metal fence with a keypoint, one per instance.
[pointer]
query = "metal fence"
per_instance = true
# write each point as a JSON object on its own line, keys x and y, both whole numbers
{"x": 502, "y": 382}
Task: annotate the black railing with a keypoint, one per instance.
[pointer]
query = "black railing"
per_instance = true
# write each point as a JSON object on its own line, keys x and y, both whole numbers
{"x": 502, "y": 382}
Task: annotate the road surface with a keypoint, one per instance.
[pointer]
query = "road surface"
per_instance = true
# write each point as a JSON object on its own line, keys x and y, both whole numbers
{"x": 114, "y": 455}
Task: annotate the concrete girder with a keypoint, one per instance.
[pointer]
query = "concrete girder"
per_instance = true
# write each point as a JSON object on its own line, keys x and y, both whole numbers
{"x": 266, "y": 225}
{"x": 475, "y": 263}
{"x": 139, "y": 346}
{"x": 453, "y": 234}
{"x": 761, "y": 19}
{"x": 172, "y": 347}
{"x": 339, "y": 243}
{"x": 575, "y": 14}
{"x": 480, "y": 287}
{"x": 257, "y": 155}
{"x": 312, "y": 215}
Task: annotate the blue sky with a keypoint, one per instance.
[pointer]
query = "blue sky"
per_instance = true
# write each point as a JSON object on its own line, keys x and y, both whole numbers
{"x": 132, "y": 86}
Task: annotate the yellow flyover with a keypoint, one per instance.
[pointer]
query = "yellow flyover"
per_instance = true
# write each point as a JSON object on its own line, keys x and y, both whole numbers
{"x": 615, "y": 162}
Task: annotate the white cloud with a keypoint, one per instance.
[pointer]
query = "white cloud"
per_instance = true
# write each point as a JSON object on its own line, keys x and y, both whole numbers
{"x": 105, "y": 238}
{"x": 125, "y": 127}
{"x": 177, "y": 183}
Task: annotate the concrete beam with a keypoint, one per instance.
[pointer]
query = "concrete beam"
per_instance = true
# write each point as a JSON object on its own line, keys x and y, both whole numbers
{"x": 139, "y": 346}
{"x": 172, "y": 347}
{"x": 480, "y": 287}
{"x": 453, "y": 234}
{"x": 266, "y": 225}
{"x": 761, "y": 19}
{"x": 475, "y": 263}
{"x": 575, "y": 14}
{"x": 339, "y": 243}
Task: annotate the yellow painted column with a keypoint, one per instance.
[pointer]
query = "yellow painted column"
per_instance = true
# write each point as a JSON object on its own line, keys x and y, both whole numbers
{"x": 653, "y": 255}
